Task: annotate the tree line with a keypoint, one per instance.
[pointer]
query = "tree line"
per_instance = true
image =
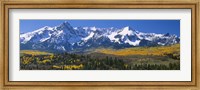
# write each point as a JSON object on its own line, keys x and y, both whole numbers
{"x": 67, "y": 61}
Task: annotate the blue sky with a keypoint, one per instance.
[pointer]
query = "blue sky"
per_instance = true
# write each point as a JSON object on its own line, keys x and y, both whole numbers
{"x": 149, "y": 26}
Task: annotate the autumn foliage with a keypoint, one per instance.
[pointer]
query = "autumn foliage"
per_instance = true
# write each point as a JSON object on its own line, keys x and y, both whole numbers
{"x": 158, "y": 50}
{"x": 136, "y": 58}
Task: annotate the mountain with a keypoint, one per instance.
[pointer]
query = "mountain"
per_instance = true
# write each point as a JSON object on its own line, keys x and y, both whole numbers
{"x": 64, "y": 37}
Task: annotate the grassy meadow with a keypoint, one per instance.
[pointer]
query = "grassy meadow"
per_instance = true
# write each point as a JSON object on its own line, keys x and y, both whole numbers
{"x": 157, "y": 51}
{"x": 34, "y": 52}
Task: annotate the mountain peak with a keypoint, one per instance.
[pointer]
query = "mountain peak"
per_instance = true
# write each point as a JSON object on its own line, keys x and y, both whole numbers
{"x": 126, "y": 31}
{"x": 65, "y": 25}
{"x": 71, "y": 38}
{"x": 167, "y": 34}
{"x": 93, "y": 28}
{"x": 128, "y": 28}
{"x": 46, "y": 27}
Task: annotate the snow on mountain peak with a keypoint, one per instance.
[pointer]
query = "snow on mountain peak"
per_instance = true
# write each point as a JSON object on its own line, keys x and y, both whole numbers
{"x": 89, "y": 36}
{"x": 44, "y": 33}
{"x": 46, "y": 27}
{"x": 66, "y": 37}
{"x": 42, "y": 29}
{"x": 126, "y": 31}
{"x": 128, "y": 28}
{"x": 93, "y": 28}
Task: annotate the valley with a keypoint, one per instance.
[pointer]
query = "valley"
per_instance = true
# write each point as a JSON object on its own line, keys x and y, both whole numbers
{"x": 137, "y": 58}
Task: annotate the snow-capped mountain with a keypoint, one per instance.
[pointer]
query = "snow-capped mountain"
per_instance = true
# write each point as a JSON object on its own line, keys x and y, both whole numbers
{"x": 64, "y": 37}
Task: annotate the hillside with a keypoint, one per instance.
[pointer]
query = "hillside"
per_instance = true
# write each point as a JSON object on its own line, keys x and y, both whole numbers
{"x": 158, "y": 51}
{"x": 34, "y": 52}
{"x": 137, "y": 58}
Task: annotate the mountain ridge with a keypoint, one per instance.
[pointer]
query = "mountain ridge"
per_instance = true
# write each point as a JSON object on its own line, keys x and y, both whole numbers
{"x": 66, "y": 38}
